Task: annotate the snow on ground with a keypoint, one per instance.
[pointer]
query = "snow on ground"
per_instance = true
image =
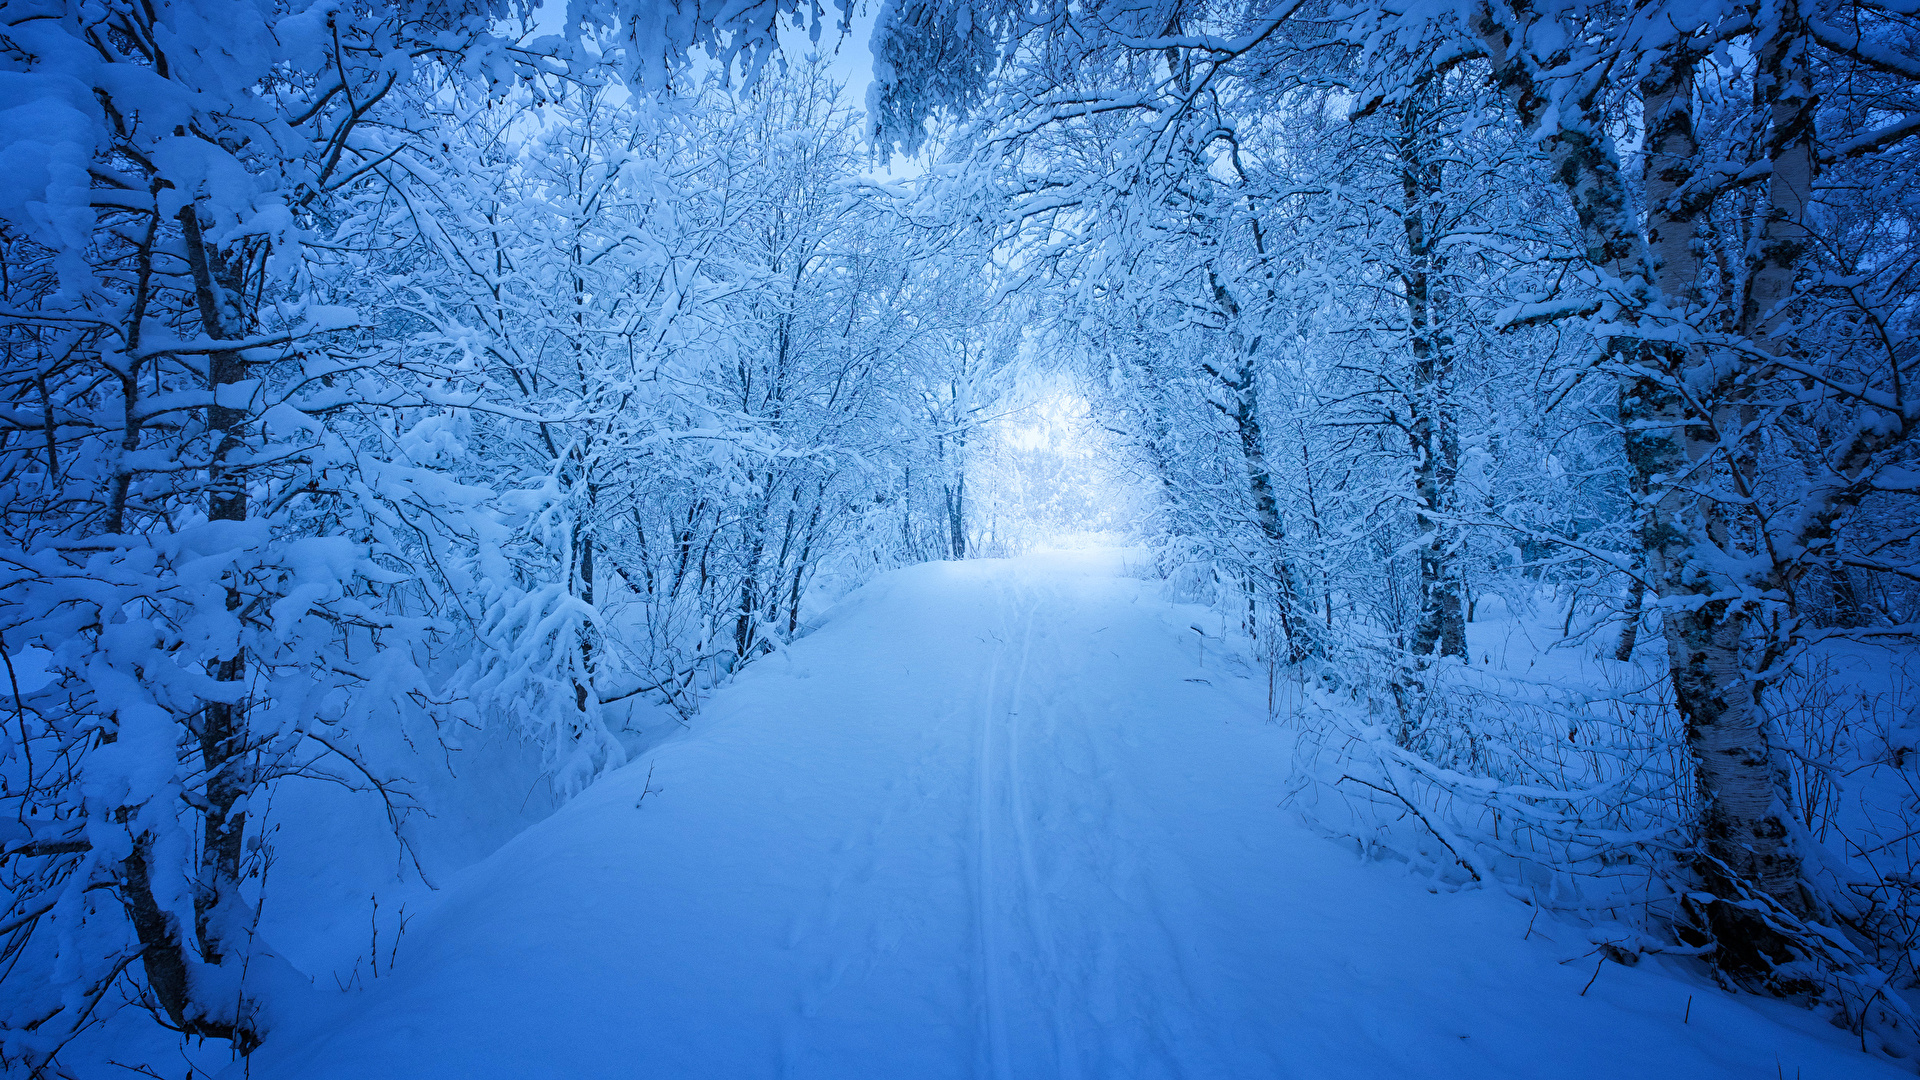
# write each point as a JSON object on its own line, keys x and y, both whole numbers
{"x": 994, "y": 820}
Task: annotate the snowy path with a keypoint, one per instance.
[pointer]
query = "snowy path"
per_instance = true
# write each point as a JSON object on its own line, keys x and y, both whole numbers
{"x": 985, "y": 824}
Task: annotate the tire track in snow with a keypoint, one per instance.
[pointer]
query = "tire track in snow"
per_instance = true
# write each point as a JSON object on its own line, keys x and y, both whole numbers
{"x": 1027, "y": 896}
{"x": 1134, "y": 950}
{"x": 1007, "y": 878}
{"x": 1033, "y": 725}
{"x": 990, "y": 1053}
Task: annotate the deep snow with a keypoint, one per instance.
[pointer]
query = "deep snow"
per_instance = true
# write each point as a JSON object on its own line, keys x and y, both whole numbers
{"x": 995, "y": 819}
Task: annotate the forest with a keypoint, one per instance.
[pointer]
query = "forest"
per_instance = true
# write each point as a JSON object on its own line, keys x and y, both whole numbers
{"x": 419, "y": 413}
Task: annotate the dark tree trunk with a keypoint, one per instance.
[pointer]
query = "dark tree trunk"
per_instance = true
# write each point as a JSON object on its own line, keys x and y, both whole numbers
{"x": 1630, "y": 630}
{"x": 218, "y": 278}
{"x": 1742, "y": 828}
{"x": 1435, "y": 438}
{"x": 1239, "y": 379}
{"x": 957, "y": 517}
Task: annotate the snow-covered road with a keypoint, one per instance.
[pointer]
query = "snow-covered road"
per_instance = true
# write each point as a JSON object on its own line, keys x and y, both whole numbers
{"x": 994, "y": 820}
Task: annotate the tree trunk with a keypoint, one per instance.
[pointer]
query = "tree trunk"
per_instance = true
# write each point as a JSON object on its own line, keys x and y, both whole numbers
{"x": 1671, "y": 447}
{"x": 1673, "y": 450}
{"x": 804, "y": 563}
{"x": 1241, "y": 382}
{"x": 218, "y": 279}
{"x": 1630, "y": 632}
{"x": 583, "y": 692}
{"x": 746, "y": 617}
{"x": 1434, "y": 436}
{"x": 218, "y": 284}
{"x": 957, "y": 516}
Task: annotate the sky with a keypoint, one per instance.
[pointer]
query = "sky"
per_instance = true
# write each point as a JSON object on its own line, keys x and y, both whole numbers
{"x": 850, "y": 62}
{"x": 849, "y": 59}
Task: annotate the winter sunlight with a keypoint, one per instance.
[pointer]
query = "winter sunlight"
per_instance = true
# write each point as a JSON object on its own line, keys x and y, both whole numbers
{"x": 976, "y": 539}
{"x": 1050, "y": 476}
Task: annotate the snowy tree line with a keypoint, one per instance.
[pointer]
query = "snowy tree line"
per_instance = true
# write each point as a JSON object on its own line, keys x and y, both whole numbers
{"x": 402, "y": 366}
{"x": 386, "y": 367}
{"x": 1408, "y": 306}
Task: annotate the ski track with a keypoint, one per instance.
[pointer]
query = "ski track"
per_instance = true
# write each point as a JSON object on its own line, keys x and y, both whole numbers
{"x": 980, "y": 826}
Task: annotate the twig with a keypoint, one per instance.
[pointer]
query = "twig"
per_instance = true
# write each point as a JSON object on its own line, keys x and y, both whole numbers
{"x": 647, "y": 788}
{"x": 1596, "y": 975}
{"x": 1464, "y": 864}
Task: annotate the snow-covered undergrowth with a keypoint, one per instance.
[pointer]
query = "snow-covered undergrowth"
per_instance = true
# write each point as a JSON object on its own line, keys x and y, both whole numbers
{"x": 351, "y": 857}
{"x": 1543, "y": 768}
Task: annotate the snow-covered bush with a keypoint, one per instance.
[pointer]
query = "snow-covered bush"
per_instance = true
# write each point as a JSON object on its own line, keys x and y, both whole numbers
{"x": 382, "y": 386}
